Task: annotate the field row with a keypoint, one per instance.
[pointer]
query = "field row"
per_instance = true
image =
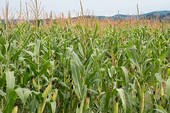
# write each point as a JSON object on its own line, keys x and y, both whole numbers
{"x": 78, "y": 69}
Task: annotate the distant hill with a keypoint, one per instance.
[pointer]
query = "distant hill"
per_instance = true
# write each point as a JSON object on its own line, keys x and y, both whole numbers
{"x": 162, "y": 15}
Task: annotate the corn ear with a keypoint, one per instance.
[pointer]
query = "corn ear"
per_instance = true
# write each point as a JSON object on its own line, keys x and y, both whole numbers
{"x": 116, "y": 107}
{"x": 162, "y": 94}
{"x": 87, "y": 103}
{"x": 34, "y": 82}
{"x": 47, "y": 90}
{"x": 162, "y": 91}
{"x": 55, "y": 95}
{"x": 15, "y": 110}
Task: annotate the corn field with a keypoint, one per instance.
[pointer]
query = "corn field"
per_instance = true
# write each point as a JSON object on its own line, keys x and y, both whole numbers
{"x": 78, "y": 69}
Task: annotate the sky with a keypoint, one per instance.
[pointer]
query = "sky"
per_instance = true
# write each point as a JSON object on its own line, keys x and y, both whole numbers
{"x": 94, "y": 7}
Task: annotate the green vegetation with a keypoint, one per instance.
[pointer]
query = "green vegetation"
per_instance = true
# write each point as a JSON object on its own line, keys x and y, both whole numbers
{"x": 75, "y": 69}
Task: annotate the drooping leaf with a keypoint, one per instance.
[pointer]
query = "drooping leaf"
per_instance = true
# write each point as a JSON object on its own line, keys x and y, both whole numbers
{"x": 168, "y": 87}
{"x": 2, "y": 93}
{"x": 158, "y": 77}
{"x": 23, "y": 94}
{"x": 76, "y": 68}
{"x": 125, "y": 71}
{"x": 122, "y": 96}
{"x": 81, "y": 50}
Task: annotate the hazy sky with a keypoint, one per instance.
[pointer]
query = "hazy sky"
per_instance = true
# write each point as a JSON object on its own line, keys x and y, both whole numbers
{"x": 96, "y": 7}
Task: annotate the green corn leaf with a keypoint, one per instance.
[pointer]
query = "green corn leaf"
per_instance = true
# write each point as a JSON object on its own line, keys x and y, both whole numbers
{"x": 82, "y": 106}
{"x": 122, "y": 96}
{"x": 10, "y": 80}
{"x": 76, "y": 79}
{"x": 23, "y": 93}
{"x": 2, "y": 93}
{"x": 10, "y": 93}
{"x": 37, "y": 48}
{"x": 33, "y": 104}
{"x": 76, "y": 67}
{"x": 158, "y": 77}
{"x": 168, "y": 87}
{"x": 80, "y": 49}
{"x": 11, "y": 97}
{"x": 41, "y": 107}
{"x": 80, "y": 110}
{"x": 125, "y": 71}
{"x": 29, "y": 53}
{"x": 160, "y": 109}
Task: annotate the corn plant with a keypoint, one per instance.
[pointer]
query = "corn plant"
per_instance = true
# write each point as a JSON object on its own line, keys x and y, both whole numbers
{"x": 76, "y": 69}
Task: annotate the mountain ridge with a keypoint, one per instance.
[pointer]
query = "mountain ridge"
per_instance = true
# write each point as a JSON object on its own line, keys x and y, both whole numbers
{"x": 161, "y": 15}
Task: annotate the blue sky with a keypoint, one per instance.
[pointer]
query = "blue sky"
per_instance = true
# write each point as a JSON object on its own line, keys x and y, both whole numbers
{"x": 96, "y": 7}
